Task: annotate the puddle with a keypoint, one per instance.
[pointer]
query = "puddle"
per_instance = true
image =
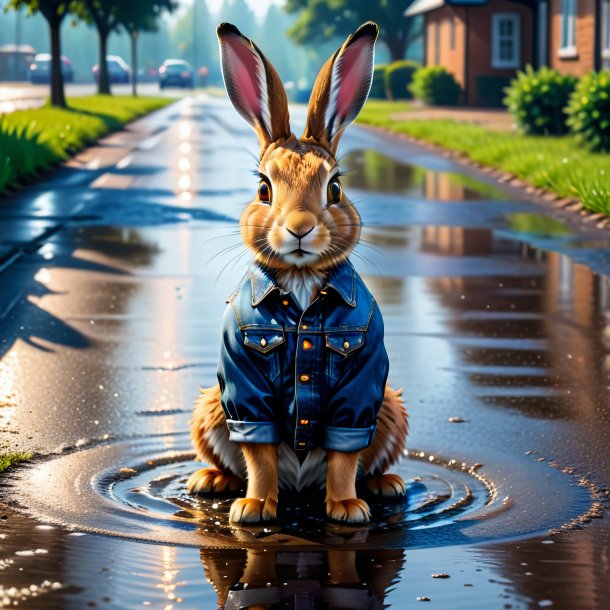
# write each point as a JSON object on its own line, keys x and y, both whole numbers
{"x": 370, "y": 170}
{"x": 136, "y": 489}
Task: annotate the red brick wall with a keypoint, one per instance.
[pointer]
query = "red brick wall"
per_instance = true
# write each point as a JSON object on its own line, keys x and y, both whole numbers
{"x": 451, "y": 58}
{"x": 480, "y": 50}
{"x": 585, "y": 39}
{"x": 473, "y": 29}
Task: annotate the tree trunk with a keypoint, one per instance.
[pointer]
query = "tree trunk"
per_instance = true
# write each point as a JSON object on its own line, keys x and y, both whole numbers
{"x": 396, "y": 46}
{"x": 134, "y": 64}
{"x": 103, "y": 87}
{"x": 58, "y": 97}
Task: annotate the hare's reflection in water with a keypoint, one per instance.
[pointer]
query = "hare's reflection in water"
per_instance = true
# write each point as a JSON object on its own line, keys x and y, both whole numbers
{"x": 286, "y": 579}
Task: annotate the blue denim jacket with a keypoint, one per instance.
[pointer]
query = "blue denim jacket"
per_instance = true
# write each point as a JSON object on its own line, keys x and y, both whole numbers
{"x": 310, "y": 378}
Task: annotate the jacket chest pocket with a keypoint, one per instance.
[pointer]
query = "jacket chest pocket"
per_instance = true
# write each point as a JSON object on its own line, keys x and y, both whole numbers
{"x": 341, "y": 347}
{"x": 264, "y": 348}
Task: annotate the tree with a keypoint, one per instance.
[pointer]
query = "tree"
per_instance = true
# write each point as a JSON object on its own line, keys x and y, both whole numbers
{"x": 54, "y": 12}
{"x": 323, "y": 19}
{"x": 138, "y": 16}
{"x": 104, "y": 15}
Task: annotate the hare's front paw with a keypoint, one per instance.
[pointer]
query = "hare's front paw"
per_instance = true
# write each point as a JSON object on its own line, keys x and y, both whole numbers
{"x": 387, "y": 486}
{"x": 212, "y": 480}
{"x": 348, "y": 511}
{"x": 253, "y": 510}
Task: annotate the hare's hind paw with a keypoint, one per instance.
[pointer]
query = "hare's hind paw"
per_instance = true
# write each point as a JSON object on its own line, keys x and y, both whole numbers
{"x": 386, "y": 486}
{"x": 354, "y": 511}
{"x": 212, "y": 480}
{"x": 253, "y": 510}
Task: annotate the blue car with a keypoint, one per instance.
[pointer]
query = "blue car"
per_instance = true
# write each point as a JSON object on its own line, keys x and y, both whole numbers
{"x": 176, "y": 73}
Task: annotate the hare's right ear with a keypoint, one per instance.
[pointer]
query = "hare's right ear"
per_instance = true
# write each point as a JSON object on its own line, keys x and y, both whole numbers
{"x": 253, "y": 85}
{"x": 342, "y": 87}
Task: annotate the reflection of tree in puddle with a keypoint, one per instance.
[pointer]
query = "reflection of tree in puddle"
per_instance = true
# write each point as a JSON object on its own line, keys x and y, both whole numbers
{"x": 531, "y": 340}
{"x": 370, "y": 170}
{"x": 332, "y": 579}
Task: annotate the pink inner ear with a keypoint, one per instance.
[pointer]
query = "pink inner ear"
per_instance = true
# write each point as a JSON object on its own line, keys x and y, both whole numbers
{"x": 352, "y": 72}
{"x": 245, "y": 74}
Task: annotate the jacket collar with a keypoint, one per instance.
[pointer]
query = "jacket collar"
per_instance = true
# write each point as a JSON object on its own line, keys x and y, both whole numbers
{"x": 342, "y": 280}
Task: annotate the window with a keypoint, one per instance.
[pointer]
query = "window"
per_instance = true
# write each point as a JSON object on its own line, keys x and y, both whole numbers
{"x": 506, "y": 40}
{"x": 605, "y": 33}
{"x": 568, "y": 28}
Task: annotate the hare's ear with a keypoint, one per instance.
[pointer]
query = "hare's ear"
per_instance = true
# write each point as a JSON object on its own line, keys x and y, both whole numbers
{"x": 253, "y": 85}
{"x": 342, "y": 87}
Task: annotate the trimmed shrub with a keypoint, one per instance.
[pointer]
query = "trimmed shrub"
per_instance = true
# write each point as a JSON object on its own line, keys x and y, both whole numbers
{"x": 398, "y": 76}
{"x": 537, "y": 100}
{"x": 435, "y": 85}
{"x": 589, "y": 111}
{"x": 378, "y": 86}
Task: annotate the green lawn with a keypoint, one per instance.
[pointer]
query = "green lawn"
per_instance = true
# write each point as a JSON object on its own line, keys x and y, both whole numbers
{"x": 556, "y": 164}
{"x": 33, "y": 141}
{"x": 10, "y": 459}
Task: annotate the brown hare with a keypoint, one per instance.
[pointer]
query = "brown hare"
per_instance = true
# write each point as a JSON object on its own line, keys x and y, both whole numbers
{"x": 302, "y": 399}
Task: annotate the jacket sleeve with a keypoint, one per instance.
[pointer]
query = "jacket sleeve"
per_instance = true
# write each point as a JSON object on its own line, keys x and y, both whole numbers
{"x": 246, "y": 392}
{"x": 357, "y": 395}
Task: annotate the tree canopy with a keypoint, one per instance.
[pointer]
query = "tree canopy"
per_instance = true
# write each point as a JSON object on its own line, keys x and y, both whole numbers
{"x": 320, "y": 20}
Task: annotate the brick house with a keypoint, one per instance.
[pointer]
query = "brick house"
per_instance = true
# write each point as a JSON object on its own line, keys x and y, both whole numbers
{"x": 484, "y": 42}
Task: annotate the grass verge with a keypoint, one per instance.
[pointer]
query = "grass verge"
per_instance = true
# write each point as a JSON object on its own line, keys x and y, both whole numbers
{"x": 556, "y": 164}
{"x": 33, "y": 141}
{"x": 10, "y": 459}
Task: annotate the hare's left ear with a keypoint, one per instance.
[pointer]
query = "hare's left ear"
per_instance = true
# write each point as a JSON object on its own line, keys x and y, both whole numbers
{"x": 342, "y": 87}
{"x": 253, "y": 85}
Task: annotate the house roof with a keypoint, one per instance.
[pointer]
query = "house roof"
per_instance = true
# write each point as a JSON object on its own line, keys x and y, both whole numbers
{"x": 425, "y": 6}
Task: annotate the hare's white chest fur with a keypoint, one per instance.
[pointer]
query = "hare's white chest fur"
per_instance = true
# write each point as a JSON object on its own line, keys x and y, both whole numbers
{"x": 302, "y": 285}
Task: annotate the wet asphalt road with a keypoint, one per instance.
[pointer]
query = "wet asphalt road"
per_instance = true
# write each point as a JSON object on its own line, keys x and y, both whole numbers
{"x": 495, "y": 315}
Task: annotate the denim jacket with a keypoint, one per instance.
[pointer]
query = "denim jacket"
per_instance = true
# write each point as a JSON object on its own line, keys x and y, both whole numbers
{"x": 309, "y": 378}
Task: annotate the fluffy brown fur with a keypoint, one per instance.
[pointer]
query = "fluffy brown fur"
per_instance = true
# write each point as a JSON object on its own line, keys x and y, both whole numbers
{"x": 300, "y": 231}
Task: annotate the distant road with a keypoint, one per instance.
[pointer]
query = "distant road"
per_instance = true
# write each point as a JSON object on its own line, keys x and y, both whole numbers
{"x": 19, "y": 96}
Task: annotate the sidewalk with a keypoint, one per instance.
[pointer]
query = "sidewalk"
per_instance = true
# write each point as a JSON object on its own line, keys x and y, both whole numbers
{"x": 495, "y": 119}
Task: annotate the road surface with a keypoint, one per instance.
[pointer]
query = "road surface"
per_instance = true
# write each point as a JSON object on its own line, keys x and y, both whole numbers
{"x": 497, "y": 327}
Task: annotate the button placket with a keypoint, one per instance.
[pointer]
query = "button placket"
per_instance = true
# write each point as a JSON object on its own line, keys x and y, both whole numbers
{"x": 305, "y": 361}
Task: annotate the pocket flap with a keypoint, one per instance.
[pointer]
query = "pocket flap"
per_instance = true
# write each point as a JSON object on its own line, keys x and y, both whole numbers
{"x": 345, "y": 343}
{"x": 263, "y": 341}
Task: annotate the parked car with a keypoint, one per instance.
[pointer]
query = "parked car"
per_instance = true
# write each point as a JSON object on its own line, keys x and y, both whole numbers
{"x": 176, "y": 73}
{"x": 118, "y": 70}
{"x": 40, "y": 69}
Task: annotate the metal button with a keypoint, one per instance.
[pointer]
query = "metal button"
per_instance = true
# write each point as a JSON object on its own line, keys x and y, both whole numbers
{"x": 284, "y": 302}
{"x": 303, "y": 422}
{"x": 263, "y": 342}
{"x": 346, "y": 345}
{"x": 304, "y": 378}
{"x": 307, "y": 344}
{"x": 322, "y": 291}
{"x": 302, "y": 444}
{"x": 304, "y": 327}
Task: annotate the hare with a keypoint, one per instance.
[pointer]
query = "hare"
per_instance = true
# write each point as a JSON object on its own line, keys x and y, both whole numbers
{"x": 302, "y": 398}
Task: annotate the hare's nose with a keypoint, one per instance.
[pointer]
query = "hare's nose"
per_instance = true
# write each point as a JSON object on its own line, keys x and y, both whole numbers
{"x": 300, "y": 223}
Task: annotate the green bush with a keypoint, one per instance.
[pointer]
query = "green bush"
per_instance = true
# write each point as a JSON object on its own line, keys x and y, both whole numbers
{"x": 589, "y": 111}
{"x": 435, "y": 85}
{"x": 537, "y": 100}
{"x": 398, "y": 77}
{"x": 378, "y": 86}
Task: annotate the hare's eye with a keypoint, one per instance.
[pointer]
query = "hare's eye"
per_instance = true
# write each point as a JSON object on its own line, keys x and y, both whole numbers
{"x": 334, "y": 191}
{"x": 264, "y": 191}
